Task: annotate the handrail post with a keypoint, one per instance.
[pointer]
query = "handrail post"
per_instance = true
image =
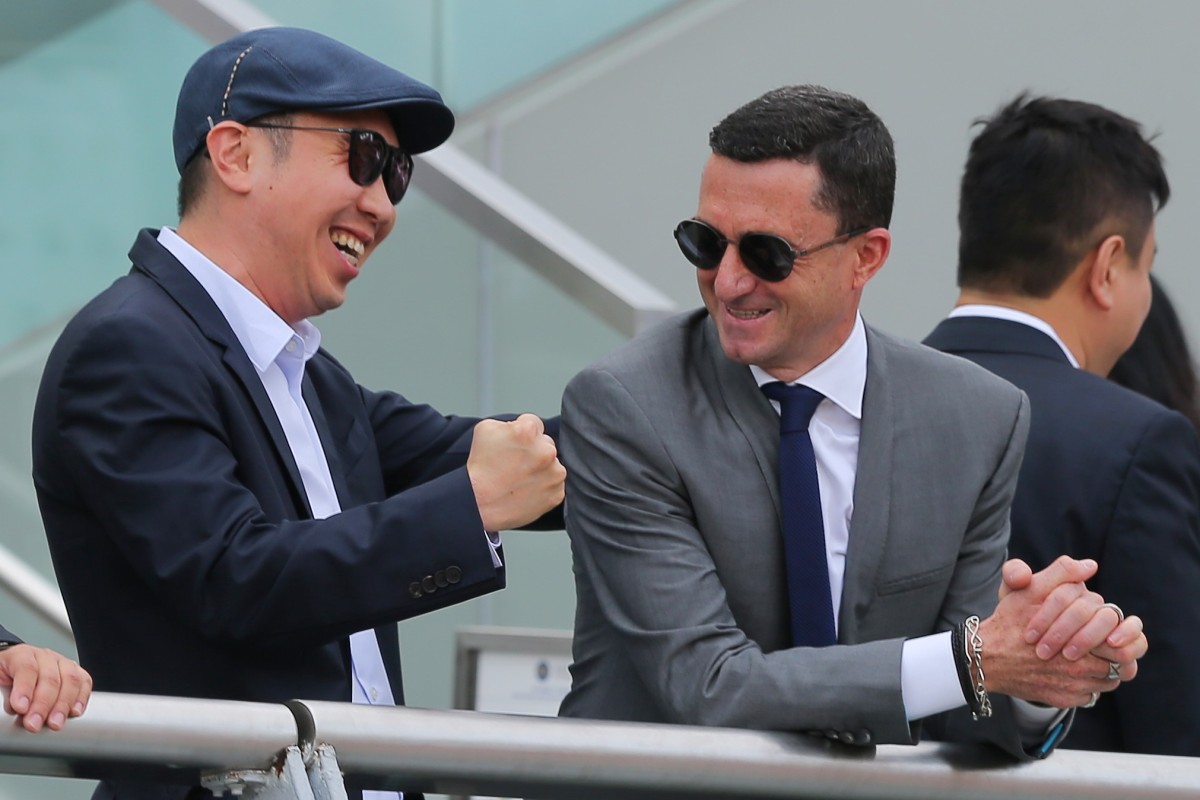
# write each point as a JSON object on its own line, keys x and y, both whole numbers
{"x": 325, "y": 775}
{"x": 288, "y": 780}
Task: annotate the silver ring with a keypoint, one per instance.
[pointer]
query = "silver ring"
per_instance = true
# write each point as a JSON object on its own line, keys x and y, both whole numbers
{"x": 1092, "y": 701}
{"x": 1116, "y": 608}
{"x": 1114, "y": 671}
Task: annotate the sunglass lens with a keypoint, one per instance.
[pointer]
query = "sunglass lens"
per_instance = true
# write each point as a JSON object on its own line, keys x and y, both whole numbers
{"x": 371, "y": 156}
{"x": 367, "y": 152}
{"x": 700, "y": 244}
{"x": 768, "y": 257}
{"x": 398, "y": 174}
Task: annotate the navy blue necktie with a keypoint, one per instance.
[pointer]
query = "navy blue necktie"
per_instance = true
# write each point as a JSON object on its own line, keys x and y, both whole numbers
{"x": 803, "y": 525}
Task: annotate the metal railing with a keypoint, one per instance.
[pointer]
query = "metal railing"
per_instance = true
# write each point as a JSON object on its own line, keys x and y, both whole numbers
{"x": 181, "y": 740}
{"x": 27, "y": 586}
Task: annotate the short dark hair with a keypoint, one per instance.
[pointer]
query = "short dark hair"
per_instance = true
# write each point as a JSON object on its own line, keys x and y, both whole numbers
{"x": 838, "y": 133}
{"x": 1045, "y": 179}
{"x": 194, "y": 177}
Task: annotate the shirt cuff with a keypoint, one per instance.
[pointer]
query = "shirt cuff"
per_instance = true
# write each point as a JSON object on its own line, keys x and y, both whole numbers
{"x": 928, "y": 676}
{"x": 494, "y": 543}
{"x": 1037, "y": 723}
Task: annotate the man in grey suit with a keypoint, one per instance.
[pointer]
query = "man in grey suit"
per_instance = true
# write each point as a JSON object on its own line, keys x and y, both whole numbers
{"x": 674, "y": 512}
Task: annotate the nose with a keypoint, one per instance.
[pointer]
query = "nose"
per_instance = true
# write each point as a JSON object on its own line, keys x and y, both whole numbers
{"x": 733, "y": 279}
{"x": 374, "y": 200}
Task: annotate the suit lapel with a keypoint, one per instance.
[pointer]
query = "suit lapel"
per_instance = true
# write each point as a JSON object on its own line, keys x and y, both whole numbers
{"x": 759, "y": 424}
{"x": 876, "y": 473}
{"x": 157, "y": 263}
{"x": 748, "y": 407}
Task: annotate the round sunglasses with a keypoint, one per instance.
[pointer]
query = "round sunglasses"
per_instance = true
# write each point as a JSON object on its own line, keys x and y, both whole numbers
{"x": 768, "y": 256}
{"x": 370, "y": 157}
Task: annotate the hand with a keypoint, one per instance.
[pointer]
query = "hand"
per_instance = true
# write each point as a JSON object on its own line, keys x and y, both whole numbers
{"x": 514, "y": 472}
{"x": 1053, "y": 610}
{"x": 1073, "y": 620}
{"x": 46, "y": 687}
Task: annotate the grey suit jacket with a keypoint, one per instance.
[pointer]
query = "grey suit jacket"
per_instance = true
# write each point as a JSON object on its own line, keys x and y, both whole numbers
{"x": 673, "y": 514}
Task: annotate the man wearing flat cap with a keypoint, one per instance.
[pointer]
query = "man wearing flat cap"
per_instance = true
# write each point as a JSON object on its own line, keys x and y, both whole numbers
{"x": 219, "y": 495}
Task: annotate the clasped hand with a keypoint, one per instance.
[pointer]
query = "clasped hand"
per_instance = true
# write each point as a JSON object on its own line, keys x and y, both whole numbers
{"x": 1052, "y": 640}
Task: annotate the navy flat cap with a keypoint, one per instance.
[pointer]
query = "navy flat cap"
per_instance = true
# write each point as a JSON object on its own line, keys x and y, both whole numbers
{"x": 274, "y": 70}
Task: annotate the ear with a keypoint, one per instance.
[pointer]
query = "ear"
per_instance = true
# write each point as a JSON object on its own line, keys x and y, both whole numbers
{"x": 1102, "y": 271}
{"x": 230, "y": 150}
{"x": 873, "y": 248}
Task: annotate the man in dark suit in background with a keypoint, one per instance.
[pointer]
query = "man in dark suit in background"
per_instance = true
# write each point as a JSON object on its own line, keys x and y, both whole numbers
{"x": 1057, "y": 239}
{"x": 230, "y": 515}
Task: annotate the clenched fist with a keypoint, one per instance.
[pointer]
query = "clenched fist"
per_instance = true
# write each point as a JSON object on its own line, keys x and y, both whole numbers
{"x": 514, "y": 472}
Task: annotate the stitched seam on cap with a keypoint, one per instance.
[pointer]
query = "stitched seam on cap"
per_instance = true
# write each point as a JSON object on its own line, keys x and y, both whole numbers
{"x": 229, "y": 86}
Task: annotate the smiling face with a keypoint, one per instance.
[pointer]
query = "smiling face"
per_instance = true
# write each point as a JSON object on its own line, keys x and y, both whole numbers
{"x": 314, "y": 226}
{"x": 789, "y": 327}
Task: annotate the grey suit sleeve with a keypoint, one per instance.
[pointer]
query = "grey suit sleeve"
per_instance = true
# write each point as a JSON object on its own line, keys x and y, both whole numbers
{"x": 650, "y": 592}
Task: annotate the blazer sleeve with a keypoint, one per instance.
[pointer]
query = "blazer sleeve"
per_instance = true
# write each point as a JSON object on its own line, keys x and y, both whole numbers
{"x": 146, "y": 438}
{"x": 974, "y": 591}
{"x": 1154, "y": 540}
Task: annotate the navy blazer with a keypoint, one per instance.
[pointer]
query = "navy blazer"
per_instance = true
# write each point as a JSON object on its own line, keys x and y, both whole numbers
{"x": 1110, "y": 475}
{"x": 179, "y": 527}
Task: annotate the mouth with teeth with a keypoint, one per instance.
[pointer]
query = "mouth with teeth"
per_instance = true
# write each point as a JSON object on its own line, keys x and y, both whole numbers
{"x": 350, "y": 245}
{"x": 740, "y": 313}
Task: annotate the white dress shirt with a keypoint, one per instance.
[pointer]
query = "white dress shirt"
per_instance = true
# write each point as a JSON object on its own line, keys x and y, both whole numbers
{"x": 279, "y": 353}
{"x": 928, "y": 675}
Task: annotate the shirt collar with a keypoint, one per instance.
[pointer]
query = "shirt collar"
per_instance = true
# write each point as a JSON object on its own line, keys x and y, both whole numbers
{"x": 1014, "y": 315}
{"x": 842, "y": 377}
{"x": 261, "y": 332}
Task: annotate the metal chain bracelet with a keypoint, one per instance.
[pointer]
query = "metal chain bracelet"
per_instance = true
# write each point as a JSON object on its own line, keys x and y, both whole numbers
{"x": 973, "y": 644}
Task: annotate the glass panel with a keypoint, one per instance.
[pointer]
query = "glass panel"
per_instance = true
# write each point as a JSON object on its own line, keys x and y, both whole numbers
{"x": 88, "y": 161}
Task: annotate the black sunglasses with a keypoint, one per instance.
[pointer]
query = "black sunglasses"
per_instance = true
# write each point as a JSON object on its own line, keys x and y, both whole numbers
{"x": 370, "y": 157}
{"x": 768, "y": 256}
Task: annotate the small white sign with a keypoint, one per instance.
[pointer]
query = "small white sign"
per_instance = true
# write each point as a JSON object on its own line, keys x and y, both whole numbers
{"x": 521, "y": 683}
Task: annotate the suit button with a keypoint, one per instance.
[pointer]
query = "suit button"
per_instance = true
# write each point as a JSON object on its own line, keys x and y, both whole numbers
{"x": 439, "y": 578}
{"x": 847, "y": 737}
{"x": 428, "y": 585}
{"x": 831, "y": 734}
{"x": 862, "y": 737}
{"x": 414, "y": 590}
{"x": 453, "y": 574}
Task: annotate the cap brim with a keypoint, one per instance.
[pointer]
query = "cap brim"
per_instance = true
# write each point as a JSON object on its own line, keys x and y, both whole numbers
{"x": 421, "y": 124}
